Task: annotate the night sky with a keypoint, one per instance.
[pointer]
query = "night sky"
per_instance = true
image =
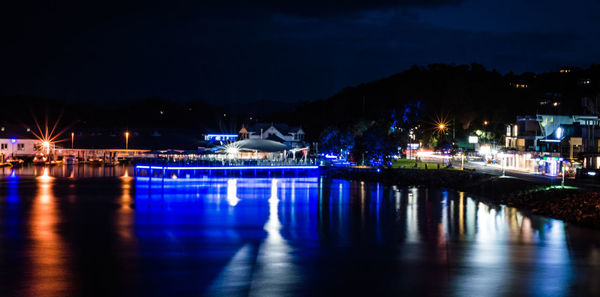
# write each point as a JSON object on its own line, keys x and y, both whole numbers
{"x": 230, "y": 51}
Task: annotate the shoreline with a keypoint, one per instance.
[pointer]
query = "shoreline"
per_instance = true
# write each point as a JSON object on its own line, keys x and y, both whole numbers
{"x": 569, "y": 204}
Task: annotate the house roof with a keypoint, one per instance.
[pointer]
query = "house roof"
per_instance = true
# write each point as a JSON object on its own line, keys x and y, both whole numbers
{"x": 275, "y": 138}
{"x": 282, "y": 128}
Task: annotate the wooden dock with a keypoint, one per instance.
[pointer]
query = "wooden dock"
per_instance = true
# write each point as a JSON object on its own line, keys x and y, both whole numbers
{"x": 102, "y": 155}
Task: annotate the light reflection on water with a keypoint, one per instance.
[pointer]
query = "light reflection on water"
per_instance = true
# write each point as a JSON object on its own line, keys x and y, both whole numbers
{"x": 69, "y": 171}
{"x": 271, "y": 237}
{"x": 47, "y": 272}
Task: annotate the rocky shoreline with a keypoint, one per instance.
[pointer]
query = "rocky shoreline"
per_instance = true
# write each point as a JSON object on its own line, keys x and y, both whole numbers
{"x": 569, "y": 204}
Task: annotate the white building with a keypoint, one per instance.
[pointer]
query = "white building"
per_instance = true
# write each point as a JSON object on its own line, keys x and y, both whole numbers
{"x": 17, "y": 141}
{"x": 290, "y": 136}
{"x": 18, "y": 147}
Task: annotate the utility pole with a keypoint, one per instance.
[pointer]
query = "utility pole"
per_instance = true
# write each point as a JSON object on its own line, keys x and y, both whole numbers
{"x": 453, "y": 129}
{"x": 562, "y": 183}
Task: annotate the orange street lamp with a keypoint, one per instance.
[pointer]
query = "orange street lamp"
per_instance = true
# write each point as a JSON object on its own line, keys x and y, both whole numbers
{"x": 441, "y": 125}
{"x": 126, "y": 140}
{"x": 72, "y": 138}
{"x": 485, "y": 123}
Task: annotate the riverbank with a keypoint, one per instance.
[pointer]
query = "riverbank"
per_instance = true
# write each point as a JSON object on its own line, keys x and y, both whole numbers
{"x": 568, "y": 204}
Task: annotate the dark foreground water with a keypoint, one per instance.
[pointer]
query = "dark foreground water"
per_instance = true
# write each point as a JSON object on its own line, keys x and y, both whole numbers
{"x": 72, "y": 235}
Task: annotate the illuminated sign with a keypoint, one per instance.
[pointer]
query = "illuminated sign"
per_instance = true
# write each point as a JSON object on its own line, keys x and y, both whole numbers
{"x": 473, "y": 139}
{"x": 219, "y": 137}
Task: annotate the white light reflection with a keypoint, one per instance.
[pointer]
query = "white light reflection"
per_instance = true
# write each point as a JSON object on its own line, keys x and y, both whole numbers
{"x": 397, "y": 198}
{"x": 487, "y": 270}
{"x": 553, "y": 274}
{"x": 273, "y": 225}
{"x": 443, "y": 226}
{"x": 232, "y": 198}
{"x": 412, "y": 226}
{"x": 233, "y": 280}
{"x": 504, "y": 239}
{"x": 275, "y": 270}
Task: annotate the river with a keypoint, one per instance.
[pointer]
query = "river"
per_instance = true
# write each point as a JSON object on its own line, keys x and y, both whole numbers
{"x": 85, "y": 231}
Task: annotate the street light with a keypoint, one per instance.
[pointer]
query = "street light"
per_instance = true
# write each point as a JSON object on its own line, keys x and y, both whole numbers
{"x": 126, "y": 140}
{"x": 441, "y": 127}
{"x": 72, "y": 139}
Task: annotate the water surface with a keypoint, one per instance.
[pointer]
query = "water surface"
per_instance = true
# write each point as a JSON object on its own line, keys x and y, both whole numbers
{"x": 84, "y": 231}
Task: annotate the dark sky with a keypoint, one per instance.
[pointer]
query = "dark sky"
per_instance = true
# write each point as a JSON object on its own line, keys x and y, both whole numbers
{"x": 233, "y": 51}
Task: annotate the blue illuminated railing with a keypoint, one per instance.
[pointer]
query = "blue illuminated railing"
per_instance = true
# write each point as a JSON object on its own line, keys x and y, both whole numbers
{"x": 195, "y": 171}
{"x": 278, "y": 167}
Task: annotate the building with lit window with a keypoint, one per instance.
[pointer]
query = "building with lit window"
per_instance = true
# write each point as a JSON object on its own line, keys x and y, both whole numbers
{"x": 568, "y": 135}
{"x": 522, "y": 135}
{"x": 17, "y": 142}
{"x": 220, "y": 138}
{"x": 574, "y": 138}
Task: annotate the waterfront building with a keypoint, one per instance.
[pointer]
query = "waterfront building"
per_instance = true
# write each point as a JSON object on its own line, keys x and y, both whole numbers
{"x": 17, "y": 142}
{"x": 574, "y": 138}
{"x": 282, "y": 133}
{"x": 522, "y": 135}
{"x": 18, "y": 147}
{"x": 566, "y": 135}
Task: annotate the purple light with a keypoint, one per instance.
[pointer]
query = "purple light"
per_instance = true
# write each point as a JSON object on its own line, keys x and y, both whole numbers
{"x": 13, "y": 140}
{"x": 225, "y": 167}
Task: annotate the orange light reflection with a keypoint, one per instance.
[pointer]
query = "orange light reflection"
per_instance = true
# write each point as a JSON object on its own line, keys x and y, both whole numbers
{"x": 48, "y": 270}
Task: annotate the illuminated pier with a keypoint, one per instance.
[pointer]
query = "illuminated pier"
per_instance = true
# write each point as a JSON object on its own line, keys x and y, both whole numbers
{"x": 175, "y": 172}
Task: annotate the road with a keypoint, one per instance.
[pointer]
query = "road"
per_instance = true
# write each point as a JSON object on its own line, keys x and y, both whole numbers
{"x": 533, "y": 177}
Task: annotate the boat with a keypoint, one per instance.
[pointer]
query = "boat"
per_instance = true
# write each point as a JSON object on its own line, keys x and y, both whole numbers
{"x": 40, "y": 159}
{"x": 14, "y": 163}
{"x": 54, "y": 162}
{"x": 95, "y": 162}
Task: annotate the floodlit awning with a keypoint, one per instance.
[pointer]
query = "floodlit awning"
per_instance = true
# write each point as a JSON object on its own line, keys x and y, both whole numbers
{"x": 259, "y": 145}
